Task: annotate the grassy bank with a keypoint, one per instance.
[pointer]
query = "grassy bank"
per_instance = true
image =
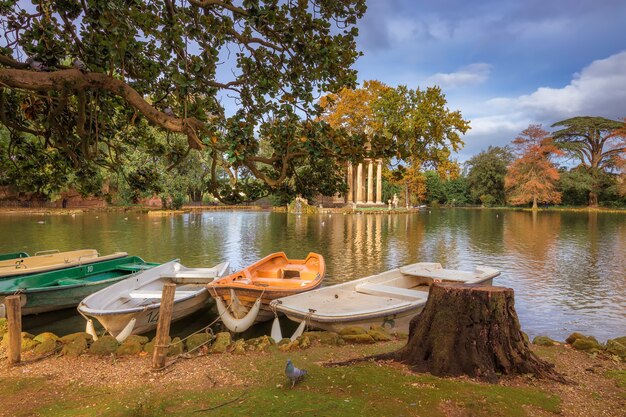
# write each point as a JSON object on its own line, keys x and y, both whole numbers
{"x": 254, "y": 384}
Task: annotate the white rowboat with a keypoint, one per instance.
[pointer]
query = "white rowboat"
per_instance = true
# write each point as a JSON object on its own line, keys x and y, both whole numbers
{"x": 389, "y": 299}
{"x": 132, "y": 306}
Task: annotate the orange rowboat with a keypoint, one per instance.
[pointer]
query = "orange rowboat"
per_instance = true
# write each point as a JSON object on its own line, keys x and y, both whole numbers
{"x": 243, "y": 298}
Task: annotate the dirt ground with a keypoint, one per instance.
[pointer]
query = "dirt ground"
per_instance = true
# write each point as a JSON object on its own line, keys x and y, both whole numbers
{"x": 254, "y": 384}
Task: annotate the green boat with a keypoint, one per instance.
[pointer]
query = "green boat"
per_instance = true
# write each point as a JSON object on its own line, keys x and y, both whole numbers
{"x": 56, "y": 290}
{"x": 14, "y": 255}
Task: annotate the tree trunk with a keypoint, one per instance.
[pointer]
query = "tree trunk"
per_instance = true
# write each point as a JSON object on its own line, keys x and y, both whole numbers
{"x": 407, "y": 195}
{"x": 593, "y": 199}
{"x": 470, "y": 330}
{"x": 534, "y": 202}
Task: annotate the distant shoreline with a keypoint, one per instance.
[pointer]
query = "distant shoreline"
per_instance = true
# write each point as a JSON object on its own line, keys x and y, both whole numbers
{"x": 136, "y": 209}
{"x": 363, "y": 210}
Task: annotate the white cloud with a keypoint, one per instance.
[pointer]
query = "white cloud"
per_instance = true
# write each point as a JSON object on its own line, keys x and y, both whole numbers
{"x": 402, "y": 30}
{"x": 599, "y": 90}
{"x": 468, "y": 75}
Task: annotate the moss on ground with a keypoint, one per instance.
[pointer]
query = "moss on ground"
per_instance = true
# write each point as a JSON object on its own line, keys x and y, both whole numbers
{"x": 366, "y": 389}
{"x": 620, "y": 379}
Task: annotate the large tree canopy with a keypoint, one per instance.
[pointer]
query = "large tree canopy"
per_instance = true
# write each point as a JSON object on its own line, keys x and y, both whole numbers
{"x": 87, "y": 77}
{"x": 598, "y": 143}
{"x": 411, "y": 125}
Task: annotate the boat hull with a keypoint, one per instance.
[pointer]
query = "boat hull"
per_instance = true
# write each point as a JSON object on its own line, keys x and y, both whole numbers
{"x": 15, "y": 256}
{"x": 148, "y": 319}
{"x": 248, "y": 296}
{"x": 56, "y": 290}
{"x": 394, "y": 322}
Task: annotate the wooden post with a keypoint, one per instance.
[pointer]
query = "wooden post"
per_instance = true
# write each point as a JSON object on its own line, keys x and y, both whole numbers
{"x": 163, "y": 327}
{"x": 14, "y": 320}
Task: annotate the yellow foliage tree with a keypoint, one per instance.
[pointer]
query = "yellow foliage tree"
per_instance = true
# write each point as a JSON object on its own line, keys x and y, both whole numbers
{"x": 399, "y": 124}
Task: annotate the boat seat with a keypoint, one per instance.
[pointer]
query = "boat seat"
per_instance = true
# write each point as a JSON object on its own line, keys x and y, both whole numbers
{"x": 279, "y": 282}
{"x": 70, "y": 281}
{"x": 442, "y": 274}
{"x": 393, "y": 292}
{"x": 158, "y": 294}
{"x": 134, "y": 267}
{"x": 274, "y": 273}
{"x": 290, "y": 273}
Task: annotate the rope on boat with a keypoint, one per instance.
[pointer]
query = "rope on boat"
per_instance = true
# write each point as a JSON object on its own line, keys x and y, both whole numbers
{"x": 229, "y": 316}
{"x": 187, "y": 355}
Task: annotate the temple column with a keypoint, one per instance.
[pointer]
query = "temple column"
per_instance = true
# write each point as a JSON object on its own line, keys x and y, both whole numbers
{"x": 370, "y": 182}
{"x": 350, "y": 197}
{"x": 359, "y": 184}
{"x": 379, "y": 182}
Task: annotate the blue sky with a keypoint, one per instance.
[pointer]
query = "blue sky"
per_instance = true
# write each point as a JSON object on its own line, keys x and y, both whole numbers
{"x": 505, "y": 64}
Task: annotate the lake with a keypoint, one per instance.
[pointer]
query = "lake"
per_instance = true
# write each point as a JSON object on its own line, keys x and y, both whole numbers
{"x": 568, "y": 269}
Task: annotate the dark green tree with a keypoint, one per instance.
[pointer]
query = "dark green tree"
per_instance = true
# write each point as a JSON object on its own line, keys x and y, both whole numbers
{"x": 576, "y": 184}
{"x": 86, "y": 77}
{"x": 486, "y": 172}
{"x": 598, "y": 143}
{"x": 435, "y": 188}
{"x": 457, "y": 191}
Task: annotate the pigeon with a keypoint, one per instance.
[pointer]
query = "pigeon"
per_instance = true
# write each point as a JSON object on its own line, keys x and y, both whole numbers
{"x": 36, "y": 65}
{"x": 294, "y": 374}
{"x": 79, "y": 65}
{"x": 169, "y": 111}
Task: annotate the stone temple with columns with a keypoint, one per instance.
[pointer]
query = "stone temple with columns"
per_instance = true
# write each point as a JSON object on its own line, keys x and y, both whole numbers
{"x": 364, "y": 189}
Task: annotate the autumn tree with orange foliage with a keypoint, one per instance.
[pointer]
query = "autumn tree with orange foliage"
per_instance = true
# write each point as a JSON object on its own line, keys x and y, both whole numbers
{"x": 533, "y": 176}
{"x": 413, "y": 128}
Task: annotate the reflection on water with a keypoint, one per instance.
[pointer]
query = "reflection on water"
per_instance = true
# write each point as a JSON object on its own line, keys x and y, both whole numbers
{"x": 568, "y": 270}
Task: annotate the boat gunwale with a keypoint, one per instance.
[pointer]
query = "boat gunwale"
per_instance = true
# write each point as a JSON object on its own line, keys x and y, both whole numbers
{"x": 83, "y": 308}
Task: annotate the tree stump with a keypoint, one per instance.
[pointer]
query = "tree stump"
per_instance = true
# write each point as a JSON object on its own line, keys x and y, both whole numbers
{"x": 470, "y": 330}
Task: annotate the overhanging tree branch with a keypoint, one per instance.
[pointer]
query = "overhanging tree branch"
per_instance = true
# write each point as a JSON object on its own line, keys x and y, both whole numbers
{"x": 75, "y": 80}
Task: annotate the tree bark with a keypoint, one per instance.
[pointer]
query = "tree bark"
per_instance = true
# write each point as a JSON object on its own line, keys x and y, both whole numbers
{"x": 470, "y": 330}
{"x": 593, "y": 199}
{"x": 535, "y": 203}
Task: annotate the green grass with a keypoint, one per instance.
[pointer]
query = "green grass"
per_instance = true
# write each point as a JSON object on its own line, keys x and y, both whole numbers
{"x": 620, "y": 379}
{"x": 14, "y": 385}
{"x": 367, "y": 389}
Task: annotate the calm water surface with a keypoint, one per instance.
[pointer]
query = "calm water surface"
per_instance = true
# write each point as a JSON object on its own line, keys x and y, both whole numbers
{"x": 568, "y": 269}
